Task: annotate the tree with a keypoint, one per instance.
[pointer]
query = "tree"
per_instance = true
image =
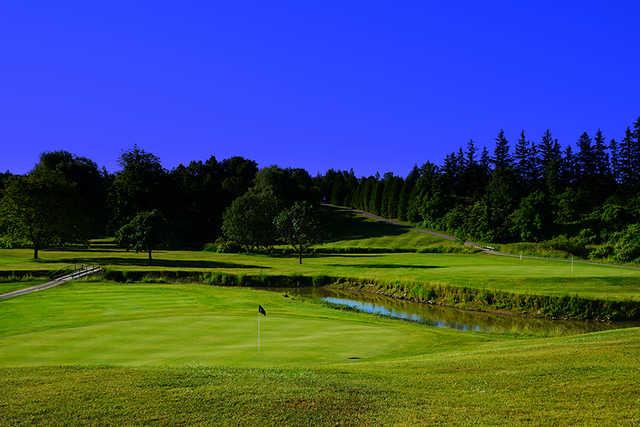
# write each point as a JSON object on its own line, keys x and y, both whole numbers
{"x": 550, "y": 160}
{"x": 249, "y": 220}
{"x": 405, "y": 193}
{"x": 501, "y": 157}
{"x": 586, "y": 160}
{"x": 528, "y": 220}
{"x": 139, "y": 186}
{"x": 86, "y": 207}
{"x": 629, "y": 161}
{"x": 288, "y": 185}
{"x": 298, "y": 226}
{"x": 34, "y": 207}
{"x": 144, "y": 232}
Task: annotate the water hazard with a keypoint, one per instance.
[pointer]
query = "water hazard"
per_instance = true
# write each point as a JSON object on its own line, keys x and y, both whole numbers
{"x": 447, "y": 317}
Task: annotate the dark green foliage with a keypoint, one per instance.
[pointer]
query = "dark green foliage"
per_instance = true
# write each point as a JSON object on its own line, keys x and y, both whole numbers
{"x": 298, "y": 226}
{"x": 249, "y": 221}
{"x": 626, "y": 244}
{"x": 145, "y": 232}
{"x": 529, "y": 222}
{"x": 139, "y": 186}
{"x": 538, "y": 192}
{"x": 35, "y": 208}
{"x": 288, "y": 185}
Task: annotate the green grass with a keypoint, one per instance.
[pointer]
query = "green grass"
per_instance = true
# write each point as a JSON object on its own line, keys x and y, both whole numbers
{"x": 542, "y": 277}
{"x": 13, "y": 285}
{"x": 103, "y": 353}
{"x": 350, "y": 231}
{"x": 409, "y": 240}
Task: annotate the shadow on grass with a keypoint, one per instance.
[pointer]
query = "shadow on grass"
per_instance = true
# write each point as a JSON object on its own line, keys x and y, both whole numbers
{"x": 154, "y": 263}
{"x": 384, "y": 266}
{"x": 323, "y": 255}
{"x": 343, "y": 224}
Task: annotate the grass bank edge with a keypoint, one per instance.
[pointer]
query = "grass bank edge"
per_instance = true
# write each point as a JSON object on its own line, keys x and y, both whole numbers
{"x": 479, "y": 299}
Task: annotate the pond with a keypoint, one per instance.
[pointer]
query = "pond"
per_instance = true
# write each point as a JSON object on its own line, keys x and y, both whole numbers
{"x": 446, "y": 317}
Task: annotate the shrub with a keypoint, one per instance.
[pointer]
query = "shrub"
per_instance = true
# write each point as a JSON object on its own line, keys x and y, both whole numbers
{"x": 601, "y": 252}
{"x": 626, "y": 244}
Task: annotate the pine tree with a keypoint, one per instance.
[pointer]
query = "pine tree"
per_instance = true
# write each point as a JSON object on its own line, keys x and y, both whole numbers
{"x": 626, "y": 157}
{"x": 521, "y": 158}
{"x": 501, "y": 157}
{"x": 405, "y": 193}
{"x": 614, "y": 160}
{"x": 549, "y": 158}
{"x": 601, "y": 156}
{"x": 586, "y": 157}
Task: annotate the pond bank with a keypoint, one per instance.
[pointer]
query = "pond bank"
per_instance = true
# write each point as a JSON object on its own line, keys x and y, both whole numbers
{"x": 568, "y": 307}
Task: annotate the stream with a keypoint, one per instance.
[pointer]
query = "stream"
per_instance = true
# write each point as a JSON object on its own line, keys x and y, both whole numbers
{"x": 447, "y": 317}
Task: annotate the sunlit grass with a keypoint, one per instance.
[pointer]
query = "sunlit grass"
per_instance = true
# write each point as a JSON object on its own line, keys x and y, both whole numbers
{"x": 544, "y": 277}
{"x": 130, "y": 354}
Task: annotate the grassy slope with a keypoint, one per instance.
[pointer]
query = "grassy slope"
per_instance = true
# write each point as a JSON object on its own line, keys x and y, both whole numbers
{"x": 122, "y": 354}
{"x": 477, "y": 270}
{"x": 12, "y": 285}
{"x": 348, "y": 230}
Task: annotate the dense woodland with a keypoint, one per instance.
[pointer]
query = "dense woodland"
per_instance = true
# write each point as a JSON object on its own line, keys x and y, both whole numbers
{"x": 527, "y": 191}
{"x": 67, "y": 199}
{"x": 585, "y": 200}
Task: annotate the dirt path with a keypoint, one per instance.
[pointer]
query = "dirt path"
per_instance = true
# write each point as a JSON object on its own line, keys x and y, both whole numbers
{"x": 53, "y": 283}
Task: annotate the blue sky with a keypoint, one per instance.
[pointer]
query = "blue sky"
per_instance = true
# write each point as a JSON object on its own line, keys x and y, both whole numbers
{"x": 362, "y": 84}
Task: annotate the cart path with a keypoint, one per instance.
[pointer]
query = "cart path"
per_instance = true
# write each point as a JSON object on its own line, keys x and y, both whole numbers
{"x": 53, "y": 283}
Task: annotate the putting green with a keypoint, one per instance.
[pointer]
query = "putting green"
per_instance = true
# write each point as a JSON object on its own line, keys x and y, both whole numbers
{"x": 101, "y": 353}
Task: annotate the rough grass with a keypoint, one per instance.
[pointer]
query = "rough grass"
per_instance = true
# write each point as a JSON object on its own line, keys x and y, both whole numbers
{"x": 541, "y": 277}
{"x": 11, "y": 284}
{"x": 100, "y": 353}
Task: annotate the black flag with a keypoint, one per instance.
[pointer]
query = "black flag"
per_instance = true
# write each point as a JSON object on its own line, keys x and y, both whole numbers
{"x": 261, "y": 310}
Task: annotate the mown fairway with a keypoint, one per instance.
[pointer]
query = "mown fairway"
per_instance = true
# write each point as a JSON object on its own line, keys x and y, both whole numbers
{"x": 475, "y": 270}
{"x": 12, "y": 284}
{"x": 106, "y": 353}
{"x": 109, "y": 353}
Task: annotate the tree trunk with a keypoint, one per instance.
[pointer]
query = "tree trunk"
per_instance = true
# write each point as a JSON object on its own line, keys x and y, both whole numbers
{"x": 35, "y": 252}
{"x": 149, "y": 251}
{"x": 300, "y": 255}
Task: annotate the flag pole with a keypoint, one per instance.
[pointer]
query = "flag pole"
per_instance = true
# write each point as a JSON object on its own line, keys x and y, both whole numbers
{"x": 258, "y": 333}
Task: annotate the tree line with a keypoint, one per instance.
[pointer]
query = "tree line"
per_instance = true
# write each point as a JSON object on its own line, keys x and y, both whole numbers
{"x": 585, "y": 200}
{"x": 533, "y": 190}
{"x": 68, "y": 200}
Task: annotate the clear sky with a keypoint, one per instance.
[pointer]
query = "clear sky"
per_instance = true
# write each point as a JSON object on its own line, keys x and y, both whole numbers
{"x": 316, "y": 84}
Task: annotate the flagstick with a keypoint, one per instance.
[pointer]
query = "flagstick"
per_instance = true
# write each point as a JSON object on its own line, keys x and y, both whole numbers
{"x": 258, "y": 333}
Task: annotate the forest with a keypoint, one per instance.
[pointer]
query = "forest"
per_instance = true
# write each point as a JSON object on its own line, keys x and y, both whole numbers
{"x": 581, "y": 198}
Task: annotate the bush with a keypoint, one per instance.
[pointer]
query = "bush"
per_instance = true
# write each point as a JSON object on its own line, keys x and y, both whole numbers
{"x": 626, "y": 244}
{"x": 601, "y": 252}
{"x": 223, "y": 247}
{"x": 573, "y": 245}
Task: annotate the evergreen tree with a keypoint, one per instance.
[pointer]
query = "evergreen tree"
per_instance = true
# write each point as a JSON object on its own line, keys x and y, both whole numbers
{"x": 405, "y": 193}
{"x": 586, "y": 160}
{"x": 614, "y": 160}
{"x": 601, "y": 156}
{"x": 628, "y": 165}
{"x": 550, "y": 159}
{"x": 501, "y": 157}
